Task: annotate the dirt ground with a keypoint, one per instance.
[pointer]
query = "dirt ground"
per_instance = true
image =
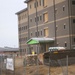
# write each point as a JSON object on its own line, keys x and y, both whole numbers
{"x": 44, "y": 70}
{"x": 20, "y": 69}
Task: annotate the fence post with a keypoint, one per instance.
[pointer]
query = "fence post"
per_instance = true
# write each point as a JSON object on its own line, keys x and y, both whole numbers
{"x": 49, "y": 65}
{"x": 37, "y": 60}
{"x": 67, "y": 64}
{"x": 14, "y": 63}
{"x": 5, "y": 65}
{"x": 24, "y": 64}
{"x": 1, "y": 65}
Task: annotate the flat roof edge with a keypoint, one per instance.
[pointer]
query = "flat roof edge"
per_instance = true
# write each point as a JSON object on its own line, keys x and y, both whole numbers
{"x": 21, "y": 11}
{"x": 27, "y": 1}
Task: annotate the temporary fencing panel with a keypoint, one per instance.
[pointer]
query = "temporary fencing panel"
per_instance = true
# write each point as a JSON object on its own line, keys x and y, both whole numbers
{"x": 41, "y": 64}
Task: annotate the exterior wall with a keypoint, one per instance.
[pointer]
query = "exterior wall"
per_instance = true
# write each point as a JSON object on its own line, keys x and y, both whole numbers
{"x": 61, "y": 19}
{"x": 49, "y": 4}
{"x": 23, "y": 31}
{"x": 72, "y": 24}
{"x": 60, "y": 23}
{"x": 23, "y": 17}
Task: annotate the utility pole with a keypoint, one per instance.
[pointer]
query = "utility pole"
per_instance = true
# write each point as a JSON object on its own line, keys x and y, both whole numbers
{"x": 36, "y": 17}
{"x": 37, "y": 37}
{"x": 55, "y": 22}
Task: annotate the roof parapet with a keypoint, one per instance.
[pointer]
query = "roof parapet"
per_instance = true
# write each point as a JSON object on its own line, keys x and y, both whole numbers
{"x": 21, "y": 11}
{"x": 27, "y": 1}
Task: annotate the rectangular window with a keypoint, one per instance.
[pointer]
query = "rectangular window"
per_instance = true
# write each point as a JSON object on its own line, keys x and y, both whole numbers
{"x": 26, "y": 27}
{"x": 65, "y": 44}
{"x": 35, "y": 19}
{"x": 56, "y": 27}
{"x": 44, "y": 3}
{"x": 63, "y": 8}
{"x": 19, "y": 29}
{"x": 37, "y": 3}
{"x": 41, "y": 32}
{"x": 64, "y": 26}
{"x": 31, "y": 33}
{"x": 73, "y": 2}
{"x": 46, "y": 32}
{"x": 30, "y": 20}
{"x": 34, "y": 5}
{"x": 46, "y": 17}
{"x": 74, "y": 39}
{"x": 55, "y": 10}
{"x": 30, "y": 6}
{"x": 35, "y": 33}
{"x": 38, "y": 33}
{"x": 22, "y": 28}
{"x": 40, "y": 17}
{"x": 40, "y": 2}
{"x": 73, "y": 20}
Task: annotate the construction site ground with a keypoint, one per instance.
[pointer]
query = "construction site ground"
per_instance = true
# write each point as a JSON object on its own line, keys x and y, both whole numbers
{"x": 42, "y": 70}
{"x": 20, "y": 69}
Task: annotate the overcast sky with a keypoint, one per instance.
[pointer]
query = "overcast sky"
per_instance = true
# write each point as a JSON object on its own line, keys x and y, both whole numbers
{"x": 8, "y": 22}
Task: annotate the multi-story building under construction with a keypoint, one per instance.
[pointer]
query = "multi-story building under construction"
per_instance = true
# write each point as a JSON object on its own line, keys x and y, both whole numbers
{"x": 47, "y": 23}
